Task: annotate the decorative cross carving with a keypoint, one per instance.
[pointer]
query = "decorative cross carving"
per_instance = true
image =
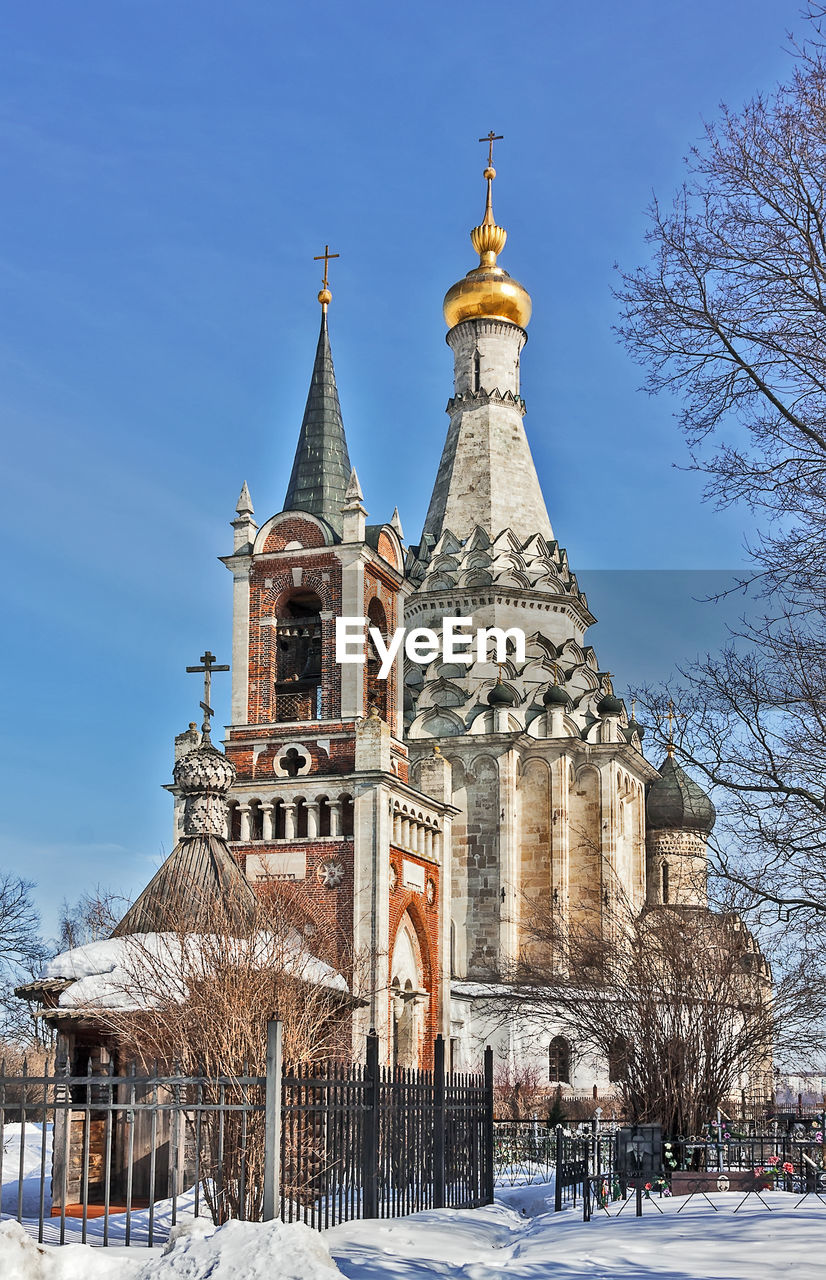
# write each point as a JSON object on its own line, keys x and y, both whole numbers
{"x": 325, "y": 258}
{"x": 208, "y": 665}
{"x": 490, "y": 138}
{"x": 292, "y": 762}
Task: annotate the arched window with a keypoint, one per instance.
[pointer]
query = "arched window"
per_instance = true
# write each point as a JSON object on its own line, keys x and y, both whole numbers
{"x": 477, "y": 370}
{"x": 323, "y": 816}
{"x": 301, "y": 818}
{"x": 376, "y": 687}
{"x": 618, "y": 1057}
{"x": 256, "y": 820}
{"x": 298, "y": 657}
{"x": 234, "y": 822}
{"x": 346, "y": 815}
{"x": 665, "y": 881}
{"x": 559, "y": 1060}
{"x": 278, "y": 820}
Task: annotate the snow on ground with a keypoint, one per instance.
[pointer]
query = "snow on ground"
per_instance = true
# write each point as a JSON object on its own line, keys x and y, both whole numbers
{"x": 196, "y": 1251}
{"x": 524, "y": 1240}
{"x": 519, "y": 1238}
{"x": 32, "y": 1152}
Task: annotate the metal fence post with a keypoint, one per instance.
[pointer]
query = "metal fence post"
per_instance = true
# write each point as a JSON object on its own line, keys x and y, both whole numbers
{"x": 487, "y": 1185}
{"x": 439, "y": 1123}
{"x": 370, "y": 1148}
{"x": 558, "y": 1171}
{"x": 272, "y": 1123}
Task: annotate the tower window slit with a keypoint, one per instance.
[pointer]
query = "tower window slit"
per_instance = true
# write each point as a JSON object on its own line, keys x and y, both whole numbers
{"x": 665, "y": 874}
{"x": 477, "y": 370}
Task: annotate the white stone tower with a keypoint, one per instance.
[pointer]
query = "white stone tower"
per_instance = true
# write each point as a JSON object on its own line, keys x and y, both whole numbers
{"x": 548, "y": 775}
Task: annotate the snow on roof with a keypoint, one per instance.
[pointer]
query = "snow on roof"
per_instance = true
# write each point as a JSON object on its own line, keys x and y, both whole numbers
{"x": 119, "y": 973}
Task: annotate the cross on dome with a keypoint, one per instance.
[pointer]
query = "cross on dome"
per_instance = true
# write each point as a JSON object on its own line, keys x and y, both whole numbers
{"x": 490, "y": 138}
{"x": 208, "y": 665}
{"x": 325, "y": 296}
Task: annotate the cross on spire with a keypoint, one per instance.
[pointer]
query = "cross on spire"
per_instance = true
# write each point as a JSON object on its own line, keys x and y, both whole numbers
{"x": 208, "y": 665}
{"x": 325, "y": 257}
{"x": 670, "y": 744}
{"x": 490, "y": 138}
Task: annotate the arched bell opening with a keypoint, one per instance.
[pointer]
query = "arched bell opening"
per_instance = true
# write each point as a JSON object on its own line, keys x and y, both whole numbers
{"x": 376, "y": 686}
{"x": 297, "y": 688}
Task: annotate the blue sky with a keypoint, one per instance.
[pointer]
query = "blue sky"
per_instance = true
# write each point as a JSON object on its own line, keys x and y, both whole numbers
{"x": 170, "y": 171}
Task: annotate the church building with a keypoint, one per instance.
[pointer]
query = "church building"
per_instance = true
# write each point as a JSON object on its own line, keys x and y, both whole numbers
{"x": 424, "y": 813}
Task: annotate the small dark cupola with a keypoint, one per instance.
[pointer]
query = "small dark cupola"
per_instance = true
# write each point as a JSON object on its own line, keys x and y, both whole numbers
{"x": 556, "y": 696}
{"x": 676, "y": 803}
{"x": 501, "y": 695}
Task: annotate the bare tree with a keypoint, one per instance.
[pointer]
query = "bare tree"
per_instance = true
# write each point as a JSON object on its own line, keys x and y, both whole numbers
{"x": 519, "y": 1091}
{"x": 677, "y": 1000}
{"x": 730, "y": 315}
{"x": 200, "y": 1003}
{"x": 22, "y": 953}
{"x": 92, "y": 917}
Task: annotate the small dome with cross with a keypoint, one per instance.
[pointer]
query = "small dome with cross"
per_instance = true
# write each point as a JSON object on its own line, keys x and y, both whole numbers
{"x": 204, "y": 771}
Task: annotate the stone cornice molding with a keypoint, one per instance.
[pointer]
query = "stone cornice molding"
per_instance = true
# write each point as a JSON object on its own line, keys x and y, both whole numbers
{"x": 476, "y": 399}
{"x": 482, "y": 325}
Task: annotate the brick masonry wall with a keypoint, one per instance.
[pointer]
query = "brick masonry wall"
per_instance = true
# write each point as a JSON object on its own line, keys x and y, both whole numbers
{"x": 338, "y": 759}
{"x": 329, "y": 911}
{"x": 293, "y": 529}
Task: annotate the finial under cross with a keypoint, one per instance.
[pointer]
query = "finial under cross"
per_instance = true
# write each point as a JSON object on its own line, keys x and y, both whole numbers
{"x": 490, "y": 138}
{"x": 208, "y": 666}
{"x": 325, "y": 257}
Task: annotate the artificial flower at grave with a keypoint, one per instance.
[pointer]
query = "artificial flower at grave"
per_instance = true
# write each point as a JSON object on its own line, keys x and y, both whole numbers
{"x": 773, "y": 1171}
{"x": 715, "y": 1132}
{"x": 669, "y": 1156}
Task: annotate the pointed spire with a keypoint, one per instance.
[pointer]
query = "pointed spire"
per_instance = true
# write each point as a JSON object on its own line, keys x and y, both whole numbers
{"x": 321, "y": 467}
{"x": 353, "y": 514}
{"x": 243, "y": 525}
{"x": 353, "y": 492}
{"x": 396, "y": 523}
{"x": 244, "y": 505}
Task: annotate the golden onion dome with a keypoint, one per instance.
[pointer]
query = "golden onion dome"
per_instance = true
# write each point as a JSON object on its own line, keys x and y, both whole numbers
{"x": 488, "y": 291}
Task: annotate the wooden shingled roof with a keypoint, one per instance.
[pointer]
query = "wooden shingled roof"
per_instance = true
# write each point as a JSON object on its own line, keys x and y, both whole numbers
{"x": 198, "y": 880}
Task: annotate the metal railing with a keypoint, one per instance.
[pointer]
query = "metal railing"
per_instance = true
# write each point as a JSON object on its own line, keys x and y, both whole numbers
{"x": 115, "y": 1159}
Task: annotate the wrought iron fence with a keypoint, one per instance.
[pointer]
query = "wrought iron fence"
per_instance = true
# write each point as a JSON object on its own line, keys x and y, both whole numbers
{"x": 115, "y": 1159}
{"x": 528, "y": 1151}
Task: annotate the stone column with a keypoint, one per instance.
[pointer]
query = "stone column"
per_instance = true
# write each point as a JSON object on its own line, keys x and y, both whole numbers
{"x": 335, "y": 817}
{"x": 240, "y": 568}
{"x": 266, "y": 821}
{"x": 244, "y": 811}
{"x": 312, "y": 819}
{"x": 289, "y": 821}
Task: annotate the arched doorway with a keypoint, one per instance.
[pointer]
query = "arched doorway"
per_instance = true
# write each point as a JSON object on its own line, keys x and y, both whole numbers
{"x": 409, "y": 996}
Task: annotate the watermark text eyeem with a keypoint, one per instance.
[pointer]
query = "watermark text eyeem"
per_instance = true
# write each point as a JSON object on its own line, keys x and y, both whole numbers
{"x": 459, "y": 641}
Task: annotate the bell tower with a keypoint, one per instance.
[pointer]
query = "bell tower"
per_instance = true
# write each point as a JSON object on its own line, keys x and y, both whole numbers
{"x": 321, "y": 769}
